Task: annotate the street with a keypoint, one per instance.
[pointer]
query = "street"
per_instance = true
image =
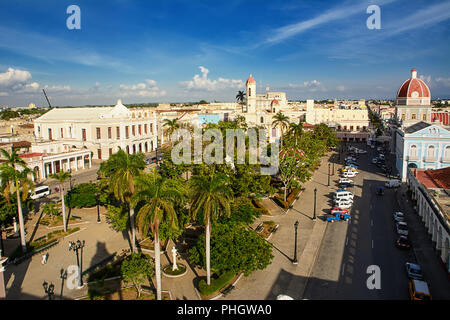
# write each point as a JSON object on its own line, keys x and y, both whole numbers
{"x": 348, "y": 249}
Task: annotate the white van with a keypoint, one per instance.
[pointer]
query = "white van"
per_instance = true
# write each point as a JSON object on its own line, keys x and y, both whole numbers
{"x": 344, "y": 195}
{"x": 393, "y": 183}
{"x": 40, "y": 192}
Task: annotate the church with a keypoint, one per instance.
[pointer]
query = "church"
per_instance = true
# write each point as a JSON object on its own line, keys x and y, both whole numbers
{"x": 418, "y": 142}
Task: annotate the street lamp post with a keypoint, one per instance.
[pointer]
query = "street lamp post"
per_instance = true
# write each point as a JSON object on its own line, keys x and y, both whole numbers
{"x": 75, "y": 247}
{"x": 329, "y": 171}
{"x": 333, "y": 169}
{"x": 295, "y": 247}
{"x": 49, "y": 289}
{"x": 315, "y": 196}
{"x": 63, "y": 276}
{"x": 2, "y": 227}
{"x": 97, "y": 195}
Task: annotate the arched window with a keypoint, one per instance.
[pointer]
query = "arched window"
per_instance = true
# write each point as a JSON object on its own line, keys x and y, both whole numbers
{"x": 430, "y": 152}
{"x": 447, "y": 153}
{"x": 413, "y": 151}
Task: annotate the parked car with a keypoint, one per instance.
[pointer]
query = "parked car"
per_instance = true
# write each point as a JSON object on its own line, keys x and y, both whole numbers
{"x": 349, "y": 174}
{"x": 394, "y": 183}
{"x": 345, "y": 185}
{"x": 340, "y": 210}
{"x": 399, "y": 216}
{"x": 344, "y": 204}
{"x": 345, "y": 180}
{"x": 381, "y": 156}
{"x": 39, "y": 192}
{"x": 402, "y": 228}
{"x": 403, "y": 242}
{"x": 414, "y": 271}
{"x": 375, "y": 160}
{"x": 342, "y": 194}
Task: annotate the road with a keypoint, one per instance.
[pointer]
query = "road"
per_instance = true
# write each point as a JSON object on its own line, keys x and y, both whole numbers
{"x": 348, "y": 249}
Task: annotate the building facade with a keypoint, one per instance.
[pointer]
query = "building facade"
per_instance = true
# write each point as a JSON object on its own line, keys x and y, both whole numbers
{"x": 422, "y": 145}
{"x": 413, "y": 102}
{"x": 431, "y": 191}
{"x": 102, "y": 130}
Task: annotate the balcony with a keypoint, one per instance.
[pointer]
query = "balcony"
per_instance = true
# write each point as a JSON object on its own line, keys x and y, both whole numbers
{"x": 430, "y": 159}
{"x": 413, "y": 157}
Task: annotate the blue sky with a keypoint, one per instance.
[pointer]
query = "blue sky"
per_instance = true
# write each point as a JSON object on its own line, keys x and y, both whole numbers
{"x": 176, "y": 50}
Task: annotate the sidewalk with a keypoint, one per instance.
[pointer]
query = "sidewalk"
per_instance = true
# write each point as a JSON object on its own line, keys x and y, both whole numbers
{"x": 283, "y": 277}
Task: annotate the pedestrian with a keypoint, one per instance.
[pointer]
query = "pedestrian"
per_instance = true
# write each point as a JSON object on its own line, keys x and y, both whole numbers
{"x": 44, "y": 258}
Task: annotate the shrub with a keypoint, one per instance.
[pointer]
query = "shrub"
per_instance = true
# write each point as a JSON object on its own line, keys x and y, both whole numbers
{"x": 82, "y": 196}
{"x": 216, "y": 284}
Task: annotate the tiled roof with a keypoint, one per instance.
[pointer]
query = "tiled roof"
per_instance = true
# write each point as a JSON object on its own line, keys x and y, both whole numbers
{"x": 439, "y": 178}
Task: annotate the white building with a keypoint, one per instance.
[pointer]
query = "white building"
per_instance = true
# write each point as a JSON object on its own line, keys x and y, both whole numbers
{"x": 102, "y": 130}
{"x": 431, "y": 190}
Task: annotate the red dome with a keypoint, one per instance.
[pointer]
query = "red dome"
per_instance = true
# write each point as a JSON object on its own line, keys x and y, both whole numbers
{"x": 413, "y": 85}
{"x": 250, "y": 80}
{"x": 274, "y": 101}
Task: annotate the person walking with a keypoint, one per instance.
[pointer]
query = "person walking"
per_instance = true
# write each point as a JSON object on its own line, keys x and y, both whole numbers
{"x": 44, "y": 258}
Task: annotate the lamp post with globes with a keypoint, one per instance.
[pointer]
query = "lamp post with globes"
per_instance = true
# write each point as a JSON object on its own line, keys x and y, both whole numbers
{"x": 49, "y": 289}
{"x": 75, "y": 246}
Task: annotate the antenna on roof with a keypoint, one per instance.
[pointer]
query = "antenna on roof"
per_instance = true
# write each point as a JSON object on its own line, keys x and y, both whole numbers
{"x": 47, "y": 98}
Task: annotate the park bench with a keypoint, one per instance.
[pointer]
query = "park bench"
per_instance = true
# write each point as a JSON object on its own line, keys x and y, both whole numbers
{"x": 275, "y": 229}
{"x": 259, "y": 227}
{"x": 227, "y": 290}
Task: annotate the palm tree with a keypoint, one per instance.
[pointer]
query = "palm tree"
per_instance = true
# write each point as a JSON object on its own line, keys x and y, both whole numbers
{"x": 296, "y": 130}
{"x": 211, "y": 195}
{"x": 14, "y": 175}
{"x": 171, "y": 125}
{"x": 62, "y": 176}
{"x": 240, "y": 97}
{"x": 282, "y": 121}
{"x": 121, "y": 169}
{"x": 158, "y": 195}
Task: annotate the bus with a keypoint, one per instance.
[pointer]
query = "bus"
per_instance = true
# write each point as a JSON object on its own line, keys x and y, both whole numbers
{"x": 40, "y": 192}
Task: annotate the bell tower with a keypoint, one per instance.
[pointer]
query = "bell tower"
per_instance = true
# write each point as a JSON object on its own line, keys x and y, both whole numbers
{"x": 251, "y": 94}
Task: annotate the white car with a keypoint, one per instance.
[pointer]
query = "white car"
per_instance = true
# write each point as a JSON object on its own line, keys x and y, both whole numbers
{"x": 349, "y": 174}
{"x": 399, "y": 216}
{"x": 381, "y": 156}
{"x": 344, "y": 204}
{"x": 374, "y": 160}
{"x": 402, "y": 228}
{"x": 362, "y": 151}
{"x": 345, "y": 180}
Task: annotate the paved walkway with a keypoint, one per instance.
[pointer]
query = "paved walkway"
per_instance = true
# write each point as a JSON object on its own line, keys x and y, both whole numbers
{"x": 283, "y": 277}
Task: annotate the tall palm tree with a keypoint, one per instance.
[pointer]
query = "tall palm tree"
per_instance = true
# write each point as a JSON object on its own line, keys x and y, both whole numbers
{"x": 212, "y": 196}
{"x": 240, "y": 97}
{"x": 62, "y": 176}
{"x": 159, "y": 196}
{"x": 14, "y": 176}
{"x": 121, "y": 169}
{"x": 296, "y": 130}
{"x": 281, "y": 121}
{"x": 171, "y": 125}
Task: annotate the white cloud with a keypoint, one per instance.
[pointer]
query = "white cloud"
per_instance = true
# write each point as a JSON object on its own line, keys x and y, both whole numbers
{"x": 144, "y": 89}
{"x": 55, "y": 89}
{"x": 443, "y": 81}
{"x": 203, "y": 83}
{"x": 3, "y": 94}
{"x": 312, "y": 86}
{"x": 426, "y": 79}
{"x": 14, "y": 76}
{"x": 341, "y": 88}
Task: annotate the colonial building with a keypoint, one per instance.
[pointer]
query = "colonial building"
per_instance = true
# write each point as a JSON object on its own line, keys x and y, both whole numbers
{"x": 422, "y": 145}
{"x": 431, "y": 191}
{"x": 351, "y": 121}
{"x": 102, "y": 130}
{"x": 413, "y": 103}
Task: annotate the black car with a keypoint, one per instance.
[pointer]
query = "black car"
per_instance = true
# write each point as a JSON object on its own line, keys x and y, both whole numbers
{"x": 344, "y": 185}
{"x": 403, "y": 242}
